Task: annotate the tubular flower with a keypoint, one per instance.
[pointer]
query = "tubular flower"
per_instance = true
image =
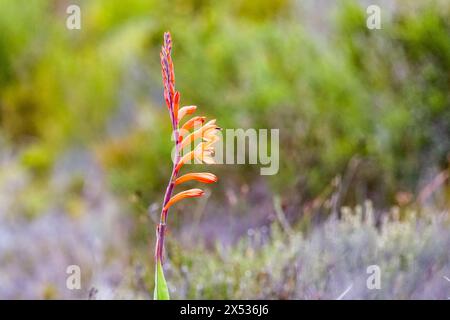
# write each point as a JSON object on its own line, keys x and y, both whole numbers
{"x": 200, "y": 133}
{"x": 191, "y": 193}
{"x": 204, "y": 177}
{"x": 192, "y": 123}
{"x": 203, "y": 152}
{"x": 186, "y": 110}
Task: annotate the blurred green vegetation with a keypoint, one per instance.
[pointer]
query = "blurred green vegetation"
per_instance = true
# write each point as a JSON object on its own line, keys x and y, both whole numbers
{"x": 363, "y": 114}
{"x": 337, "y": 92}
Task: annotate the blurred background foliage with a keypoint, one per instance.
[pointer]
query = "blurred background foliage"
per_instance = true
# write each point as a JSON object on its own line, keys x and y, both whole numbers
{"x": 363, "y": 114}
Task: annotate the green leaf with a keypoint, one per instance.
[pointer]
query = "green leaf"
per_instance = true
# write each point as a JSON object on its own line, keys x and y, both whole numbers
{"x": 161, "y": 289}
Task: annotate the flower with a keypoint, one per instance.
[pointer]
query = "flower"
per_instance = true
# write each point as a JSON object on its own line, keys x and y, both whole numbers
{"x": 203, "y": 152}
{"x": 191, "y": 193}
{"x": 191, "y": 123}
{"x": 184, "y": 111}
{"x": 204, "y": 177}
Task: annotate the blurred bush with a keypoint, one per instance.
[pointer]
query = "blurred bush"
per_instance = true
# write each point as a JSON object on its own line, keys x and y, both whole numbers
{"x": 324, "y": 263}
{"x": 381, "y": 95}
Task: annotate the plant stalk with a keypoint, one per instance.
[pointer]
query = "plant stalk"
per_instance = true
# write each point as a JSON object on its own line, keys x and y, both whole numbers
{"x": 161, "y": 227}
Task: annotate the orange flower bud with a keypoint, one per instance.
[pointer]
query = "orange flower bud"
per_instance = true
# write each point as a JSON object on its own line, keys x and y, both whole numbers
{"x": 204, "y": 177}
{"x": 176, "y": 104}
{"x": 192, "y": 122}
{"x": 184, "y": 111}
{"x": 191, "y": 193}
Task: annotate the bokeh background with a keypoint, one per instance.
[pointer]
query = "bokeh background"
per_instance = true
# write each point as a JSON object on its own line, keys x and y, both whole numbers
{"x": 364, "y": 119}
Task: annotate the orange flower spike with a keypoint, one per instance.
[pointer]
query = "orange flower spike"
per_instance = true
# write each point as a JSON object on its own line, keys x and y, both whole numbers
{"x": 204, "y": 177}
{"x": 184, "y": 111}
{"x": 191, "y": 193}
{"x": 203, "y": 152}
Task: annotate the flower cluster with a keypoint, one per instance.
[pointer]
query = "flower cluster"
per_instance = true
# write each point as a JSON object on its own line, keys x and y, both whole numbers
{"x": 207, "y": 133}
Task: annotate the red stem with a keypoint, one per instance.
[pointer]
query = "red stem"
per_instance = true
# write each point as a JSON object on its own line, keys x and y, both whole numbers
{"x": 161, "y": 227}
